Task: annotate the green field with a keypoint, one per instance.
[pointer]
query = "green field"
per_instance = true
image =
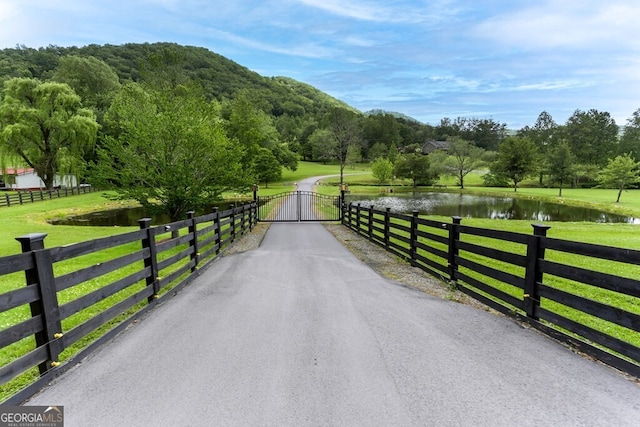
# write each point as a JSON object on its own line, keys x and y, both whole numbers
{"x": 32, "y": 218}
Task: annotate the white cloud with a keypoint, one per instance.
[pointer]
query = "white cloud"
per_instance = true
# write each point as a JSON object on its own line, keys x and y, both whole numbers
{"x": 391, "y": 12}
{"x": 565, "y": 24}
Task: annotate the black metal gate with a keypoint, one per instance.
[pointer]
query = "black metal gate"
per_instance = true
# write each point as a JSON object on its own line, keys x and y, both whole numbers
{"x": 296, "y": 206}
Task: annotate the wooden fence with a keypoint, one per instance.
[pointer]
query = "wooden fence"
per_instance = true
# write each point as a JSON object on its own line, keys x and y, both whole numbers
{"x": 12, "y": 198}
{"x": 583, "y": 294}
{"x": 79, "y": 295}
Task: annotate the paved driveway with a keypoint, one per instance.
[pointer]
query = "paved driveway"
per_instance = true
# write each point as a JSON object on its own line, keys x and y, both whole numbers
{"x": 301, "y": 333}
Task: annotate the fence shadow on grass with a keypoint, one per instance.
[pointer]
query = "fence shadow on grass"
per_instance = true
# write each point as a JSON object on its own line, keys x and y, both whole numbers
{"x": 59, "y": 304}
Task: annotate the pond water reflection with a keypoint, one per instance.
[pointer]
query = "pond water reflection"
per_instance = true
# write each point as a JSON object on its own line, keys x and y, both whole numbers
{"x": 445, "y": 204}
{"x": 469, "y": 206}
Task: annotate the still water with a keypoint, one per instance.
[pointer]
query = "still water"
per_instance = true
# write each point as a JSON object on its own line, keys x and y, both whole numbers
{"x": 468, "y": 206}
{"x": 445, "y": 204}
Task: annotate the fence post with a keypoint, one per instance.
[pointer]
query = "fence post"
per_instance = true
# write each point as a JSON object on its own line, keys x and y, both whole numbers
{"x": 195, "y": 255}
{"x": 370, "y": 225}
{"x": 8, "y": 199}
{"x": 533, "y": 275}
{"x": 454, "y": 237}
{"x": 151, "y": 261}
{"x": 387, "y": 226}
{"x": 41, "y": 275}
{"x": 242, "y": 221}
{"x": 233, "y": 224}
{"x": 358, "y": 219}
{"x": 413, "y": 238}
{"x": 216, "y": 227}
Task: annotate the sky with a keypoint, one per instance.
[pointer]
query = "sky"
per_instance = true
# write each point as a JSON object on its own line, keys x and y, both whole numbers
{"x": 507, "y": 60}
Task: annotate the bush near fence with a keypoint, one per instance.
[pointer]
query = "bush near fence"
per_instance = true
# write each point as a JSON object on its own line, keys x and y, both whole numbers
{"x": 575, "y": 292}
{"x": 13, "y": 198}
{"x": 77, "y": 296}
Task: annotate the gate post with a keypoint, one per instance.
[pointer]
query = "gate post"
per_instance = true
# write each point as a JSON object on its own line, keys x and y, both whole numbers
{"x": 41, "y": 275}
{"x": 195, "y": 255}
{"x": 533, "y": 275}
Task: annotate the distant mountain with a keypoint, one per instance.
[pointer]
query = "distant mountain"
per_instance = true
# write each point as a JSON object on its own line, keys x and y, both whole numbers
{"x": 393, "y": 113}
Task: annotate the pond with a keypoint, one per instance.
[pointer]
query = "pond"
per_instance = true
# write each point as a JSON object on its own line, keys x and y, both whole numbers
{"x": 445, "y": 204}
{"x": 468, "y": 206}
{"x": 123, "y": 217}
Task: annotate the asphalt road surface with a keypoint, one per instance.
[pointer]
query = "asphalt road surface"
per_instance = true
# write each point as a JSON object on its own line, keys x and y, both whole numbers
{"x": 301, "y": 333}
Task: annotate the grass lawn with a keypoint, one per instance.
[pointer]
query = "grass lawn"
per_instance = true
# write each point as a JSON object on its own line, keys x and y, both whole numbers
{"x": 32, "y": 217}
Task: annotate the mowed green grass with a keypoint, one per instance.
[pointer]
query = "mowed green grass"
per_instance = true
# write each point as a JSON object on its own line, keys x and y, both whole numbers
{"x": 32, "y": 218}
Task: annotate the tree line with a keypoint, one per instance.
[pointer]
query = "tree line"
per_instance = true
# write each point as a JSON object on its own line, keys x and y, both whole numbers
{"x": 174, "y": 127}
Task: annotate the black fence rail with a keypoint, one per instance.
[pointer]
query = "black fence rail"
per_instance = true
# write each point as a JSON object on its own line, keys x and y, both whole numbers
{"x": 583, "y": 294}
{"x": 13, "y": 198}
{"x": 76, "y": 296}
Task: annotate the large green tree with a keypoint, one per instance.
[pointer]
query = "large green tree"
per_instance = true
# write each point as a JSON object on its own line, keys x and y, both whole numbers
{"x": 592, "y": 136}
{"x": 267, "y": 167}
{"x": 91, "y": 78}
{"x": 516, "y": 159}
{"x": 45, "y": 126}
{"x": 172, "y": 153}
{"x": 415, "y": 167}
{"x": 630, "y": 140}
{"x": 254, "y": 129}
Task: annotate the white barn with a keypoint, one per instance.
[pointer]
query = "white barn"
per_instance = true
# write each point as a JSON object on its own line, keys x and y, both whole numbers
{"x": 27, "y": 179}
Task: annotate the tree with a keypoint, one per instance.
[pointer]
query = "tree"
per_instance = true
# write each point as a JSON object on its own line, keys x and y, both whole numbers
{"x": 91, "y": 78}
{"x": 377, "y": 150}
{"x": 267, "y": 167}
{"x": 354, "y": 155}
{"x": 466, "y": 158}
{"x": 414, "y": 167}
{"x": 592, "y": 136}
{"x": 619, "y": 173}
{"x": 345, "y": 132}
{"x": 172, "y": 154}
{"x": 544, "y": 134}
{"x": 516, "y": 159}
{"x": 323, "y": 146}
{"x": 630, "y": 140}
{"x": 560, "y": 164}
{"x": 382, "y": 169}
{"x": 254, "y": 129}
{"x": 45, "y": 126}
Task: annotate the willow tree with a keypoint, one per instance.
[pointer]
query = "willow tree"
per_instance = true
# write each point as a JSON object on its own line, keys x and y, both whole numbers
{"x": 45, "y": 127}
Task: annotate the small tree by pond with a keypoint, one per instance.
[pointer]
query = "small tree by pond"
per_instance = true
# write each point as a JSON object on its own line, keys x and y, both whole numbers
{"x": 382, "y": 169}
{"x": 516, "y": 159}
{"x": 620, "y": 173}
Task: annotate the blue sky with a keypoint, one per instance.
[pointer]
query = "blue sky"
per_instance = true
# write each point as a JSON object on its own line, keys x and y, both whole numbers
{"x": 503, "y": 59}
